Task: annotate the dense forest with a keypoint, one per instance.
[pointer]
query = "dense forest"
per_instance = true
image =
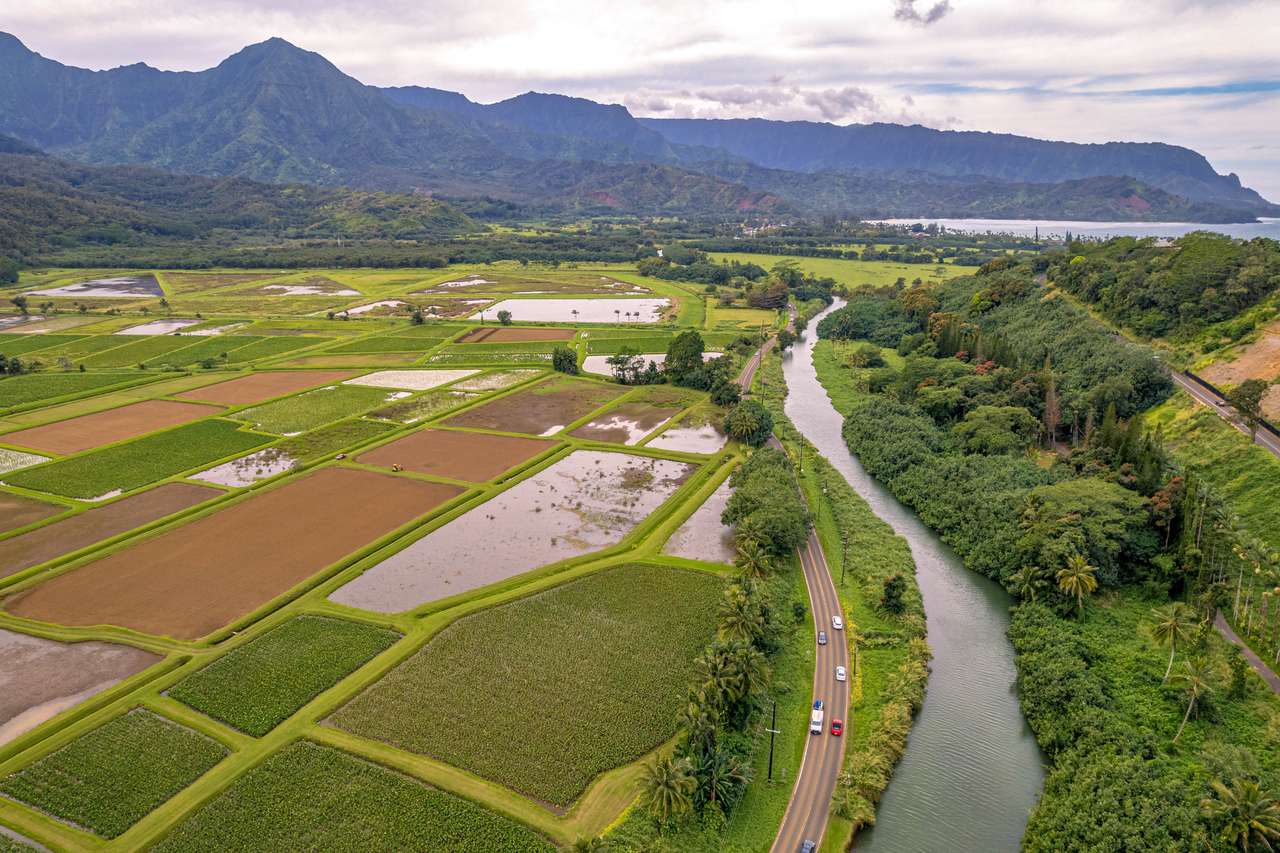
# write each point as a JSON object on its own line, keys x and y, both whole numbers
{"x": 1007, "y": 419}
{"x": 1174, "y": 290}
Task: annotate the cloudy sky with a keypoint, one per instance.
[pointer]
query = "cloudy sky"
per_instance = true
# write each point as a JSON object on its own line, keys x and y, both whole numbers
{"x": 1200, "y": 73}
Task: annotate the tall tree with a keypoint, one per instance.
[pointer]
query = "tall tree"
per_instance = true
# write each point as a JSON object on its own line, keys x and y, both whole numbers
{"x": 1195, "y": 679}
{"x": 668, "y": 787}
{"x": 1052, "y": 407}
{"x": 1244, "y": 814}
{"x": 1174, "y": 625}
{"x": 1077, "y": 580}
{"x": 1246, "y": 398}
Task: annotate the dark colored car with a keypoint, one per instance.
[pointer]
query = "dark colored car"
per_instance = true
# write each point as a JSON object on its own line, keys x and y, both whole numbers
{"x": 822, "y": 638}
{"x": 817, "y": 704}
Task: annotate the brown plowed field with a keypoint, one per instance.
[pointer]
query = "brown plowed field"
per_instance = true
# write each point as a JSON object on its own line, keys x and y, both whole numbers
{"x": 1258, "y": 360}
{"x": 472, "y": 456}
{"x": 544, "y": 409}
{"x": 257, "y": 387}
{"x": 513, "y": 334}
{"x": 196, "y": 578}
{"x": 63, "y": 537}
{"x": 89, "y": 431}
{"x": 18, "y": 512}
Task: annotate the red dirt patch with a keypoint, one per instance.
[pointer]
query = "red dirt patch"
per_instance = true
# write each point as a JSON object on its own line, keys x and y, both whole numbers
{"x": 63, "y": 537}
{"x": 89, "y": 431}
{"x": 472, "y": 456}
{"x": 544, "y": 409}
{"x": 1258, "y": 360}
{"x": 512, "y": 334}
{"x": 18, "y": 512}
{"x": 257, "y": 387}
{"x": 194, "y": 579}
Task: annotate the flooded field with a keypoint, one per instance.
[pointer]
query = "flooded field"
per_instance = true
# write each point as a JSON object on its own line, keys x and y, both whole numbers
{"x": 385, "y": 306}
{"x": 600, "y": 363}
{"x": 544, "y": 409}
{"x": 310, "y": 287}
{"x": 496, "y": 380}
{"x": 585, "y": 502}
{"x": 627, "y": 424}
{"x": 411, "y": 380}
{"x": 40, "y": 678}
{"x": 583, "y": 310}
{"x": 703, "y": 536}
{"x": 697, "y": 433}
{"x": 159, "y": 327}
{"x": 422, "y": 407}
{"x": 115, "y": 287}
{"x": 248, "y": 470}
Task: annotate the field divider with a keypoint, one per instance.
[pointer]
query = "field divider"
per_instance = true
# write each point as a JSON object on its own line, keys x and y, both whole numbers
{"x": 46, "y": 829}
{"x": 177, "y": 712}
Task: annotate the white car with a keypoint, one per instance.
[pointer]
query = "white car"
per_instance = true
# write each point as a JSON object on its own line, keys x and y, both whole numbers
{"x": 837, "y": 623}
{"x": 841, "y": 675}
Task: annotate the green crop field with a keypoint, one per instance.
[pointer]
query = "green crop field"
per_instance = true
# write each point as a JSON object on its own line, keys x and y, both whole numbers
{"x": 136, "y": 463}
{"x": 271, "y": 347}
{"x": 853, "y": 273}
{"x": 32, "y": 388}
{"x": 143, "y": 350}
{"x": 547, "y": 692}
{"x": 257, "y": 686}
{"x": 429, "y": 330}
{"x": 311, "y": 409}
{"x": 110, "y": 778}
{"x": 332, "y": 438}
{"x": 312, "y": 797}
{"x": 387, "y": 343}
{"x": 423, "y": 406}
{"x": 11, "y": 345}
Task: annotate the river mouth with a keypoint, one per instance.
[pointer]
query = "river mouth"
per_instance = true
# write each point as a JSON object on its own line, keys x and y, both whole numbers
{"x": 972, "y": 771}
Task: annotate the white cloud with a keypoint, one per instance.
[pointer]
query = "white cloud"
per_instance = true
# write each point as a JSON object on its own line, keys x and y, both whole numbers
{"x": 1035, "y": 67}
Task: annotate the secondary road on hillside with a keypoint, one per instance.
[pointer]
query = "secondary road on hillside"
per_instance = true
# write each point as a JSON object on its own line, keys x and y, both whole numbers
{"x": 810, "y": 806}
{"x": 1213, "y": 401}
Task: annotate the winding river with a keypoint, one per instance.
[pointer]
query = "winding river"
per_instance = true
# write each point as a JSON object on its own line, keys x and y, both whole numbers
{"x": 972, "y": 769}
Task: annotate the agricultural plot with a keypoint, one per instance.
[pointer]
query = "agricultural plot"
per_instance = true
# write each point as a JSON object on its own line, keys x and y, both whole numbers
{"x": 697, "y": 432}
{"x": 703, "y": 536}
{"x": 471, "y": 456}
{"x": 202, "y": 282}
{"x": 438, "y": 331}
{"x": 423, "y": 406}
{"x": 95, "y": 430}
{"x": 310, "y": 286}
{"x": 526, "y": 283}
{"x": 599, "y": 669}
{"x": 583, "y": 310}
{"x": 146, "y": 350}
{"x": 196, "y": 578}
{"x": 110, "y": 778}
{"x": 496, "y": 381}
{"x": 506, "y": 354}
{"x": 37, "y": 387}
{"x": 318, "y": 443}
{"x": 84, "y": 346}
{"x": 248, "y": 470}
{"x": 160, "y": 327}
{"x": 124, "y": 467}
{"x": 271, "y": 347}
{"x": 311, "y": 409}
{"x": 11, "y": 345}
{"x": 79, "y": 531}
{"x": 747, "y": 319}
{"x": 587, "y": 501}
{"x": 13, "y": 460}
{"x": 340, "y": 803}
{"x": 259, "y": 685}
{"x": 514, "y": 334}
{"x": 378, "y": 359}
{"x": 410, "y": 380}
{"x": 17, "y": 511}
{"x": 387, "y": 343}
{"x": 107, "y": 287}
{"x": 626, "y": 423}
{"x": 853, "y": 273}
{"x": 257, "y": 387}
{"x": 40, "y": 678}
{"x": 543, "y": 409}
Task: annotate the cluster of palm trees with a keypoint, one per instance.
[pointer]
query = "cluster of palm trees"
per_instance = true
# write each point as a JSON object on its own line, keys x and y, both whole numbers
{"x": 705, "y": 771}
{"x": 1076, "y": 580}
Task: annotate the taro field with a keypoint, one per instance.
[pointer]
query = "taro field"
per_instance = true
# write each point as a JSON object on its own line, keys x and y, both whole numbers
{"x": 185, "y": 661}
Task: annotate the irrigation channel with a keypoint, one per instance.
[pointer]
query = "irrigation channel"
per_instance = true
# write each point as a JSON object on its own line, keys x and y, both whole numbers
{"x": 972, "y": 769}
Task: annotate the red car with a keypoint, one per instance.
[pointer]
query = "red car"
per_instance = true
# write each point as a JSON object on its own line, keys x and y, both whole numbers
{"x": 837, "y": 727}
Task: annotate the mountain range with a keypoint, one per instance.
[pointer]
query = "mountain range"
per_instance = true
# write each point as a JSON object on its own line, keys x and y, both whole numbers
{"x": 276, "y": 113}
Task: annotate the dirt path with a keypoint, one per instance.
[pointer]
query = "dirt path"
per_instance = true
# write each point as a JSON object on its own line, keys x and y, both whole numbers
{"x": 1220, "y": 622}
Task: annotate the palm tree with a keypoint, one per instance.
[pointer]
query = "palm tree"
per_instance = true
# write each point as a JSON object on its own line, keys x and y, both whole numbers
{"x": 668, "y": 787}
{"x": 1195, "y": 679}
{"x": 1077, "y": 580}
{"x": 719, "y": 676}
{"x": 574, "y": 312}
{"x": 617, "y": 312}
{"x": 1247, "y": 814}
{"x": 1174, "y": 625}
{"x": 1029, "y": 582}
{"x": 594, "y": 844}
{"x": 722, "y": 772}
{"x": 752, "y": 560}
{"x": 739, "y": 618}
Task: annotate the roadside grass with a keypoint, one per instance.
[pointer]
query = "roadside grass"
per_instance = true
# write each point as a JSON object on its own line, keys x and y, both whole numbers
{"x": 853, "y": 273}
{"x": 423, "y": 406}
{"x": 332, "y": 438}
{"x": 320, "y": 798}
{"x": 35, "y": 387}
{"x": 1244, "y": 474}
{"x": 139, "y": 462}
{"x": 311, "y": 409}
{"x": 257, "y": 686}
{"x": 545, "y": 693}
{"x": 111, "y": 777}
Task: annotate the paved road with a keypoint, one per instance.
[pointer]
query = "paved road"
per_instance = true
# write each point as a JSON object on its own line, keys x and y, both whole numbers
{"x": 810, "y": 806}
{"x": 1213, "y": 401}
{"x": 1220, "y": 622}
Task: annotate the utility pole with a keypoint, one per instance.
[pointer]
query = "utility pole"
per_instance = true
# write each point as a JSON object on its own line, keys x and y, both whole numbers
{"x": 772, "y": 730}
{"x": 844, "y": 553}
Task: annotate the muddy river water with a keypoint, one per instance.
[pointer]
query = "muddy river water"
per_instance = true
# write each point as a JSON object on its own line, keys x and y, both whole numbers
{"x": 972, "y": 770}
